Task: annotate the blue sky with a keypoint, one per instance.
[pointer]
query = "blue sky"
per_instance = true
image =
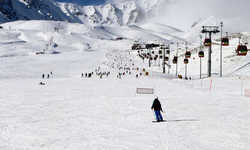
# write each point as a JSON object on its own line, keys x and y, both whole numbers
{"x": 84, "y": 2}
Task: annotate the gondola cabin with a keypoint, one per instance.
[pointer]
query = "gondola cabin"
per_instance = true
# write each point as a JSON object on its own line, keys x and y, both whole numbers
{"x": 207, "y": 42}
{"x": 168, "y": 51}
{"x": 166, "y": 59}
{"x": 225, "y": 42}
{"x": 242, "y": 50}
{"x": 175, "y": 60}
{"x": 185, "y": 61}
{"x": 201, "y": 54}
{"x": 188, "y": 54}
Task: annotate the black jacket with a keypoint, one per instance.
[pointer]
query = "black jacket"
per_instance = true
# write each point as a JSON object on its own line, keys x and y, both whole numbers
{"x": 156, "y": 105}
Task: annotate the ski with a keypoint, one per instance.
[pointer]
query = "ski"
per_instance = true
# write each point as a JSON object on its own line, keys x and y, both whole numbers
{"x": 159, "y": 121}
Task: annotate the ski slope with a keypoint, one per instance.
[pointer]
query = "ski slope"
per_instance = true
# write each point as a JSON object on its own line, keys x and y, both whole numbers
{"x": 73, "y": 112}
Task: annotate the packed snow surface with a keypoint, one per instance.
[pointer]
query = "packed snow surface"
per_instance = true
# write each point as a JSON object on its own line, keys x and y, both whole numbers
{"x": 68, "y": 111}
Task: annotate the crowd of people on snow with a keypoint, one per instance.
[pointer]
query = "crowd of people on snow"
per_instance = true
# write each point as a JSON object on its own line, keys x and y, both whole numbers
{"x": 116, "y": 60}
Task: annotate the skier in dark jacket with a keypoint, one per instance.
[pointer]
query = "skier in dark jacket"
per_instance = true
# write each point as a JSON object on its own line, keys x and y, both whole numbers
{"x": 157, "y": 108}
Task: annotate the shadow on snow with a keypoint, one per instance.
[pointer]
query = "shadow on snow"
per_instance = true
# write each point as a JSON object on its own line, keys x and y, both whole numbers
{"x": 182, "y": 120}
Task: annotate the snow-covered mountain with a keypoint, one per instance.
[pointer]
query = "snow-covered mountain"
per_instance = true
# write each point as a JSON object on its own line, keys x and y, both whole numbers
{"x": 119, "y": 13}
{"x": 125, "y": 13}
{"x": 7, "y": 11}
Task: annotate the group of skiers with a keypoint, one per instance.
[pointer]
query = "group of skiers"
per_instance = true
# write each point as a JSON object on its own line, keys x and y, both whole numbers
{"x": 88, "y": 75}
{"x": 43, "y": 76}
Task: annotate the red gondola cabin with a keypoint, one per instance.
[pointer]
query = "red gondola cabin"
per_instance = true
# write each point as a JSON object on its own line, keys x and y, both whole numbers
{"x": 188, "y": 54}
{"x": 207, "y": 42}
{"x": 225, "y": 42}
{"x": 185, "y": 61}
{"x": 166, "y": 58}
{"x": 175, "y": 60}
{"x": 242, "y": 50}
{"x": 201, "y": 54}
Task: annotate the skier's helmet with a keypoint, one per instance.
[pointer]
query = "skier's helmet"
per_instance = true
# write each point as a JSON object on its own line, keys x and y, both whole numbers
{"x": 156, "y": 97}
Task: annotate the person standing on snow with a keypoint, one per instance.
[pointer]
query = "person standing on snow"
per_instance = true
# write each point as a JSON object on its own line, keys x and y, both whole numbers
{"x": 157, "y": 108}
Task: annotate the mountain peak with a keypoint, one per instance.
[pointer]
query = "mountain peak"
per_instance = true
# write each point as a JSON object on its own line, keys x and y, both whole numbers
{"x": 125, "y": 13}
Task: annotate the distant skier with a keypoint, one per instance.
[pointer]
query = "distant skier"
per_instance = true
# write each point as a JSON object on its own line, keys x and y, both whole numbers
{"x": 157, "y": 108}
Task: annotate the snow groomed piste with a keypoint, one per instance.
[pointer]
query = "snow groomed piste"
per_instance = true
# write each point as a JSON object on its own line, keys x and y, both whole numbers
{"x": 75, "y": 112}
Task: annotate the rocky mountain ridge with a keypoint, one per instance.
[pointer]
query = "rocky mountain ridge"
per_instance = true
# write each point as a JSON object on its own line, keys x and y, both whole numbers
{"x": 126, "y": 13}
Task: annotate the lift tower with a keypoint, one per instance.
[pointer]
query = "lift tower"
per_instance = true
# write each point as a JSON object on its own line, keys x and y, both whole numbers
{"x": 210, "y": 30}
